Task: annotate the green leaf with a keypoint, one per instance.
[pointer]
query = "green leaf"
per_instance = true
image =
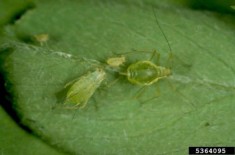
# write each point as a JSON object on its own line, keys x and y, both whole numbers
{"x": 194, "y": 106}
{"x": 11, "y": 10}
{"x": 14, "y": 140}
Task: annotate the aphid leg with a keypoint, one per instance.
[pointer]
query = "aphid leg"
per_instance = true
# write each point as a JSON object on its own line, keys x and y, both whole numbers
{"x": 186, "y": 99}
{"x": 170, "y": 60}
{"x": 152, "y": 98}
{"x": 96, "y": 105}
{"x": 179, "y": 93}
{"x": 112, "y": 83}
{"x": 83, "y": 105}
{"x": 139, "y": 92}
{"x": 74, "y": 115}
{"x": 75, "y": 112}
{"x": 109, "y": 84}
{"x": 153, "y": 55}
{"x": 171, "y": 85}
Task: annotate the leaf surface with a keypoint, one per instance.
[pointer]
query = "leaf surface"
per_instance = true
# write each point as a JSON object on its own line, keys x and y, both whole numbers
{"x": 194, "y": 106}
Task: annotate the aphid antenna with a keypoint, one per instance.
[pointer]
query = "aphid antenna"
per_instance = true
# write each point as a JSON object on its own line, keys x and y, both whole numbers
{"x": 164, "y": 35}
{"x": 170, "y": 57}
{"x": 133, "y": 51}
{"x": 161, "y": 30}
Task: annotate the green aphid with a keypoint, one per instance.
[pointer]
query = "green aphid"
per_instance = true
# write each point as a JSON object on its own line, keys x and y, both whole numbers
{"x": 146, "y": 73}
{"x": 82, "y": 89}
{"x": 42, "y": 38}
{"x": 116, "y": 61}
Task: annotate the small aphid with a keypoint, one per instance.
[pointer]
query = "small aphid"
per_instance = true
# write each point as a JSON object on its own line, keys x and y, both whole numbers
{"x": 116, "y": 61}
{"x": 83, "y": 88}
{"x": 41, "y": 38}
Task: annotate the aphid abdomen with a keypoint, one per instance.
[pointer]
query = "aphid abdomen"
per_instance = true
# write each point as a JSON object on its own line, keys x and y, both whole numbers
{"x": 146, "y": 73}
{"x": 82, "y": 90}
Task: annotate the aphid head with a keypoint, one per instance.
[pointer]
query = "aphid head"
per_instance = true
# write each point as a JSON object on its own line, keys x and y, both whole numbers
{"x": 100, "y": 73}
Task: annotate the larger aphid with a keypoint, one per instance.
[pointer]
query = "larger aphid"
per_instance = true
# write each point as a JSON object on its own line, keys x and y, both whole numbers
{"x": 83, "y": 88}
{"x": 146, "y": 73}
